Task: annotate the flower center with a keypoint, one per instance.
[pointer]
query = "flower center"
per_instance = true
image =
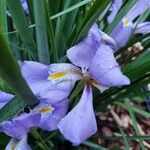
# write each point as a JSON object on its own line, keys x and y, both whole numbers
{"x": 85, "y": 73}
{"x": 86, "y": 76}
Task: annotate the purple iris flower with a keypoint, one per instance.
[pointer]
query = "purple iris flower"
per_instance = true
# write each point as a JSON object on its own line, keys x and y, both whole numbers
{"x": 94, "y": 55}
{"x": 45, "y": 115}
{"x": 19, "y": 126}
{"x": 94, "y": 63}
{"x": 127, "y": 26}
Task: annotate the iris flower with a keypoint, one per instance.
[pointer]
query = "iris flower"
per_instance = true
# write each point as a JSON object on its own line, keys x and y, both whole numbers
{"x": 128, "y": 26}
{"x": 45, "y": 115}
{"x": 94, "y": 55}
{"x": 18, "y": 127}
{"x": 93, "y": 61}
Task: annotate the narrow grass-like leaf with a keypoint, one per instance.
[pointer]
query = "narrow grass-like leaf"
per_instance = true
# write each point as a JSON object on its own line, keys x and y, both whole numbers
{"x": 9, "y": 72}
{"x": 56, "y": 6}
{"x": 140, "y": 94}
{"x": 41, "y": 34}
{"x": 119, "y": 94}
{"x": 71, "y": 8}
{"x": 20, "y": 21}
{"x": 100, "y": 103}
{"x": 134, "y": 122}
{"x": 51, "y": 33}
{"x": 124, "y": 137}
{"x": 146, "y": 42}
{"x": 3, "y": 17}
{"x": 58, "y": 14}
{"x": 120, "y": 15}
{"x": 94, "y": 146}
{"x": 64, "y": 27}
{"x": 4, "y": 87}
{"x": 14, "y": 44}
{"x": 35, "y": 132}
{"x": 142, "y": 137}
{"x": 75, "y": 92}
{"x": 143, "y": 16}
{"x": 94, "y": 12}
{"x": 31, "y": 10}
{"x": 58, "y": 38}
{"x": 135, "y": 109}
{"x": 68, "y": 19}
{"x": 133, "y": 87}
{"x": 138, "y": 67}
{"x": 11, "y": 109}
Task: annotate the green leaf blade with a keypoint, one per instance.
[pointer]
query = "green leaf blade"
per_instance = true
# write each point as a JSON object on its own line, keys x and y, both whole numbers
{"x": 11, "y": 109}
{"x": 41, "y": 34}
{"x": 21, "y": 23}
{"x": 94, "y": 12}
{"x": 10, "y": 72}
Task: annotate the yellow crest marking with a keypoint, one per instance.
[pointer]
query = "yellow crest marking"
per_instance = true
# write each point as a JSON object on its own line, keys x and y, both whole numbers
{"x": 46, "y": 109}
{"x": 13, "y": 148}
{"x": 126, "y": 22}
{"x": 58, "y": 75}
